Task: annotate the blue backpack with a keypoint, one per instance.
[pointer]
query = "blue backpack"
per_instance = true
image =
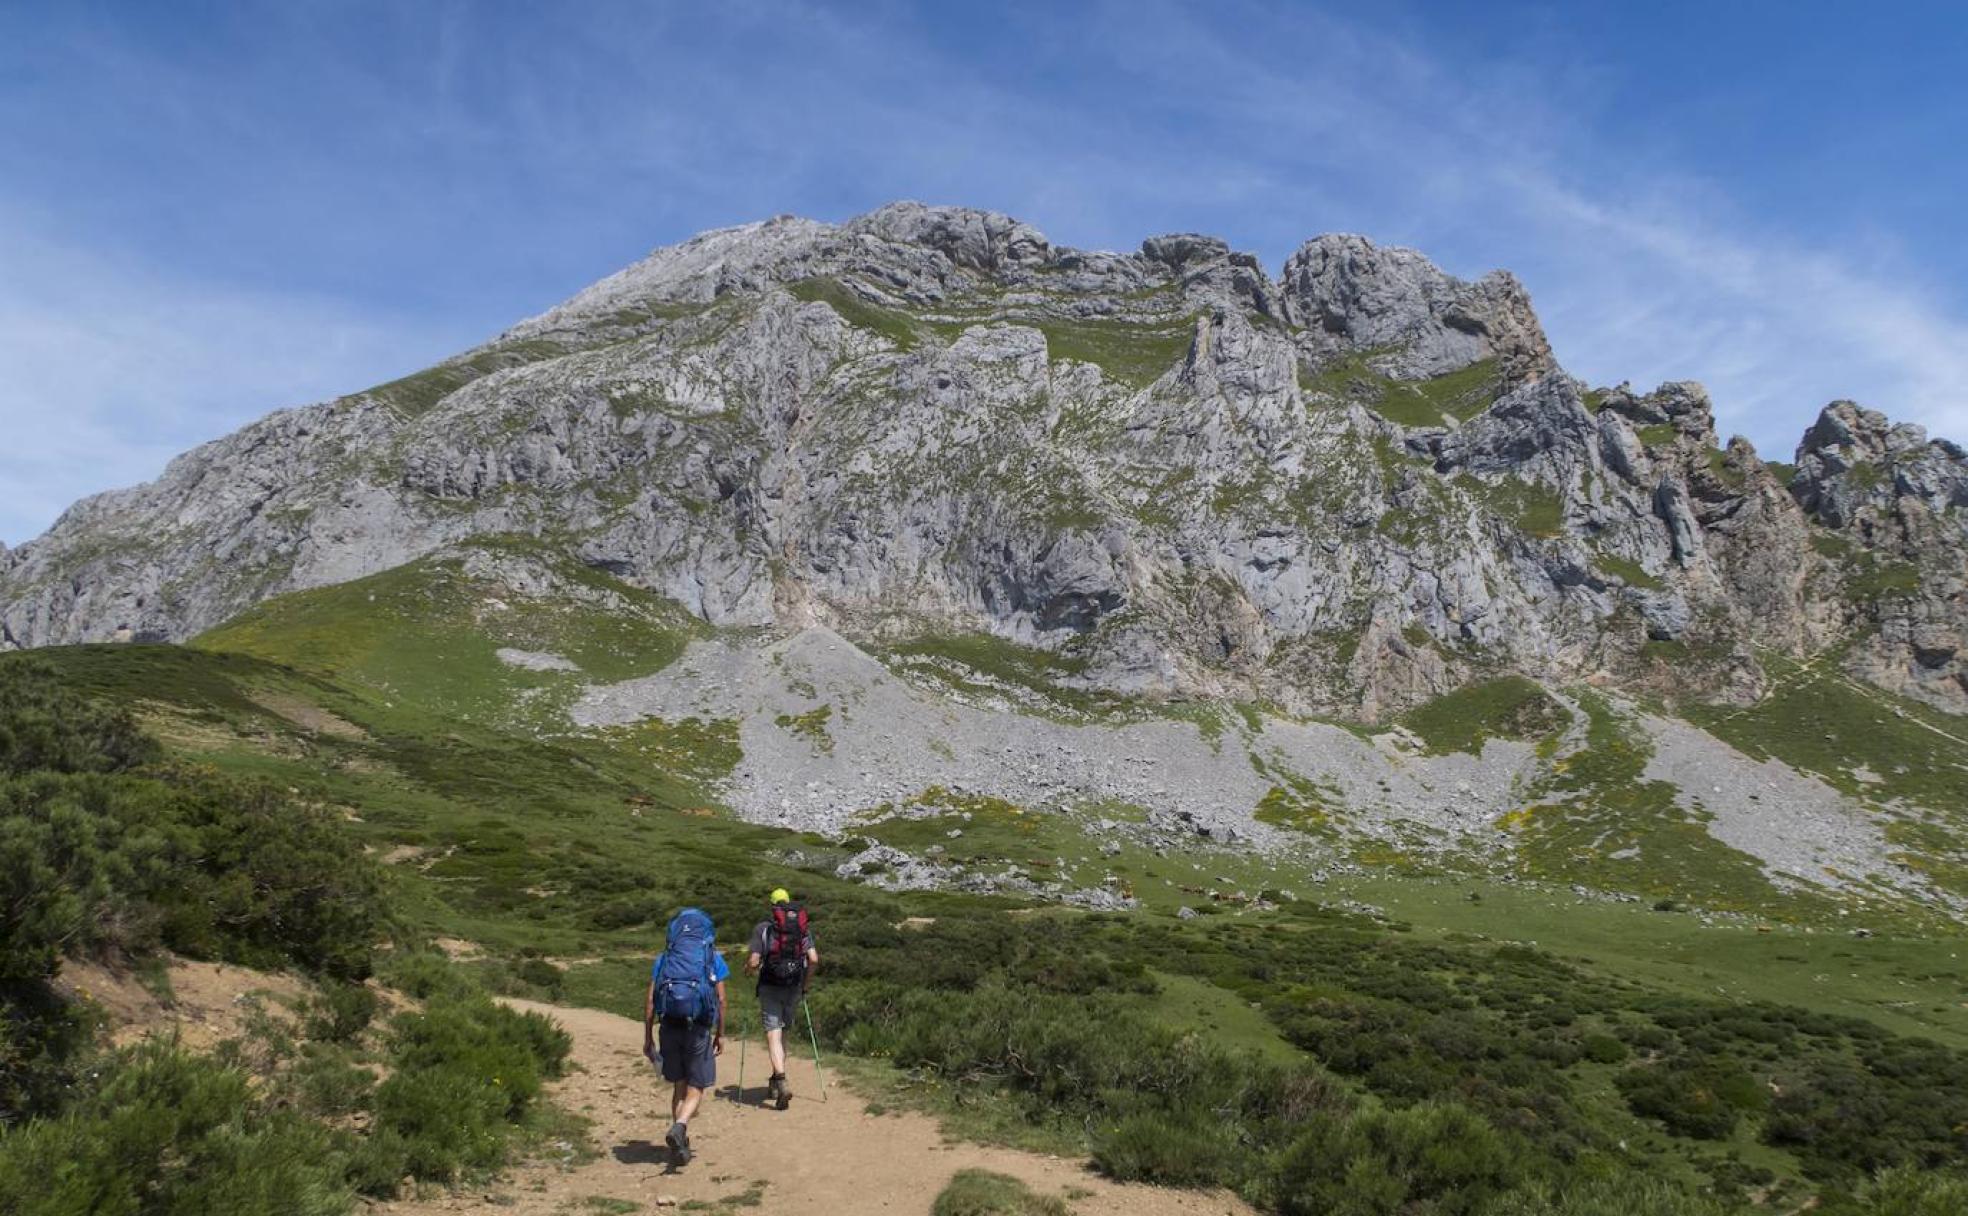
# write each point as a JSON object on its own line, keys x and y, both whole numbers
{"x": 685, "y": 989}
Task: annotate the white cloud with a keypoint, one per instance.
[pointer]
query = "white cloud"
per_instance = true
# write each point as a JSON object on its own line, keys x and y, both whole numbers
{"x": 1640, "y": 269}
{"x": 1261, "y": 123}
{"x": 1775, "y": 331}
{"x": 108, "y": 370}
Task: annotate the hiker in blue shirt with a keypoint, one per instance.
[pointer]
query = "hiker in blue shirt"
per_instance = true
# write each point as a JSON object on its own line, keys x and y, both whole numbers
{"x": 686, "y": 996}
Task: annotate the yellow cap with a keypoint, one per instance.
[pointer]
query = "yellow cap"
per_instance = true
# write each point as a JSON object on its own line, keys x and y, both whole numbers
{"x": 781, "y": 895}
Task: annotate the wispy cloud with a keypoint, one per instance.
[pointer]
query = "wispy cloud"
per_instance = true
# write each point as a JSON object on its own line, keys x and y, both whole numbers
{"x": 1776, "y": 330}
{"x": 112, "y": 368}
{"x": 1641, "y": 269}
{"x": 467, "y": 167}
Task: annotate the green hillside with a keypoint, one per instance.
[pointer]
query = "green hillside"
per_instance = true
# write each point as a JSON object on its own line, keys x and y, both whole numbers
{"x": 1544, "y": 1038}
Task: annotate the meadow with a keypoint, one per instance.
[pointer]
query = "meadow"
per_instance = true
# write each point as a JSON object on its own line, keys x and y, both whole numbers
{"x": 1417, "y": 1041}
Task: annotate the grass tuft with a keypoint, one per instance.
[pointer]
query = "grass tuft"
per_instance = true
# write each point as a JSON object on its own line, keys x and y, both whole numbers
{"x": 1508, "y": 708}
{"x": 983, "y": 1193}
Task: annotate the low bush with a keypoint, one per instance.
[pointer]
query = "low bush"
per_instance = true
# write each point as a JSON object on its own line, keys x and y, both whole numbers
{"x": 1889, "y": 1109}
{"x": 42, "y": 1038}
{"x": 1603, "y": 1049}
{"x": 438, "y": 1124}
{"x": 1170, "y": 1148}
{"x": 540, "y": 974}
{"x": 340, "y": 1011}
{"x": 1430, "y": 1159}
{"x": 1703, "y": 1101}
{"x": 424, "y": 974}
{"x": 1621, "y": 1195}
{"x": 208, "y": 866}
{"x": 106, "y": 849}
{"x": 98, "y": 854}
{"x": 326, "y": 1081}
{"x": 464, "y": 1072}
{"x": 1904, "y": 1191}
{"x": 167, "y": 1133}
{"x": 983, "y": 1193}
{"x": 44, "y": 727}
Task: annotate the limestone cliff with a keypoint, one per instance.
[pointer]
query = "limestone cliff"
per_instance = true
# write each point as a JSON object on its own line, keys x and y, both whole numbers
{"x": 1349, "y": 488}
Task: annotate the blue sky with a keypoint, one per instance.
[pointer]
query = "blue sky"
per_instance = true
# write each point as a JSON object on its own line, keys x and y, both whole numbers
{"x": 211, "y": 210}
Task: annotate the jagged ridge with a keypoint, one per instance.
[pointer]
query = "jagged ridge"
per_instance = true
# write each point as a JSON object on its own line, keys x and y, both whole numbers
{"x": 1353, "y": 487}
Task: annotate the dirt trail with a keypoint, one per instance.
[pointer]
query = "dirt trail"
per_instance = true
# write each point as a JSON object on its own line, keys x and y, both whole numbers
{"x": 817, "y": 1158}
{"x": 208, "y": 1002}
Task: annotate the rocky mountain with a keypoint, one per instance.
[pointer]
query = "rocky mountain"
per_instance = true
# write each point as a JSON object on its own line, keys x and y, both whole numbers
{"x": 1348, "y": 489}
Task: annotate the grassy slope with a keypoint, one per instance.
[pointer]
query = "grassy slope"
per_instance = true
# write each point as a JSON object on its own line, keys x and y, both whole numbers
{"x": 1897, "y": 755}
{"x": 425, "y": 634}
{"x": 495, "y": 815}
{"x": 557, "y": 814}
{"x": 1135, "y": 354}
{"x": 576, "y": 847}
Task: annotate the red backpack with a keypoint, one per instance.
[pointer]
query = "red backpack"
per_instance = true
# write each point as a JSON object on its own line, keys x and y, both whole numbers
{"x": 785, "y": 947}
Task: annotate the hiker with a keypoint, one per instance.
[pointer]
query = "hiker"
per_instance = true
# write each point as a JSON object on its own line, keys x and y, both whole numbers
{"x": 686, "y": 994}
{"x": 783, "y": 957}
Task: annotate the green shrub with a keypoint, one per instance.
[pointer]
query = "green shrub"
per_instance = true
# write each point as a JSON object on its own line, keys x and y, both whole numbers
{"x": 1622, "y": 1195}
{"x": 1511, "y": 707}
{"x": 47, "y": 727}
{"x": 1191, "y": 1148}
{"x": 1699, "y": 1100}
{"x": 508, "y": 1051}
{"x": 1427, "y": 1159}
{"x": 274, "y": 880}
{"x": 1603, "y": 1049}
{"x": 1904, "y": 1191}
{"x": 464, "y": 1072}
{"x": 339, "y": 1012}
{"x": 98, "y": 855}
{"x": 171, "y": 1134}
{"x": 1844, "y": 1120}
{"x": 540, "y": 974}
{"x": 42, "y": 1041}
{"x": 73, "y": 866}
{"x": 983, "y": 1193}
{"x": 212, "y": 867}
{"x": 439, "y": 1124}
{"x": 425, "y": 975}
{"x": 104, "y": 849}
{"x": 326, "y": 1082}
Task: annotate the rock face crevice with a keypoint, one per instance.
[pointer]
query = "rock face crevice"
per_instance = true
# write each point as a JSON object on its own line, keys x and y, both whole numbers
{"x": 1349, "y": 488}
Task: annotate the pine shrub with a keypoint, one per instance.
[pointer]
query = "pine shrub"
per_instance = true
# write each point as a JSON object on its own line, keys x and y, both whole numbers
{"x": 168, "y": 1133}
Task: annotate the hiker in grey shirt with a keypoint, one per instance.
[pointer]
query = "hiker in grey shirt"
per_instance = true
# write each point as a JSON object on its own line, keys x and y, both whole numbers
{"x": 783, "y": 957}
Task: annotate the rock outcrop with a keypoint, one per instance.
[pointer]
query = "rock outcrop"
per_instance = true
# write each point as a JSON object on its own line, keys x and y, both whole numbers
{"x": 1348, "y": 489}
{"x": 1898, "y": 503}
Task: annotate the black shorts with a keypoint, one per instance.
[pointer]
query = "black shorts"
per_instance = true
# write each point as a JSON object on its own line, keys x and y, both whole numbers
{"x": 687, "y": 1054}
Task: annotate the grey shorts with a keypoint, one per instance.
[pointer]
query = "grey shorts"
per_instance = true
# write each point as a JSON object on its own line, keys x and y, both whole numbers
{"x": 779, "y": 1005}
{"x": 687, "y": 1054}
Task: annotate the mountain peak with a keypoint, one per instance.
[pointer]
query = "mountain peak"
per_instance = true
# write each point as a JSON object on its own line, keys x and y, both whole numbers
{"x": 1347, "y": 489}
{"x": 1376, "y": 296}
{"x": 1366, "y": 295}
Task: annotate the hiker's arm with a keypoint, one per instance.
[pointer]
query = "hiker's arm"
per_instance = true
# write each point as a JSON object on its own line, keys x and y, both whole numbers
{"x": 752, "y": 963}
{"x": 717, "y": 1044}
{"x": 812, "y": 965}
{"x": 649, "y": 1019}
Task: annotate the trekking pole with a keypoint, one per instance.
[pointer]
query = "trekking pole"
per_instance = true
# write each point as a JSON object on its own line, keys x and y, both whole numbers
{"x": 815, "y": 1040}
{"x": 745, "y": 1035}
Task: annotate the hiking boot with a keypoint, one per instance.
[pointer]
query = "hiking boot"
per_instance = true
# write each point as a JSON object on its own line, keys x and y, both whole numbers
{"x": 782, "y": 1093}
{"x": 678, "y": 1138}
